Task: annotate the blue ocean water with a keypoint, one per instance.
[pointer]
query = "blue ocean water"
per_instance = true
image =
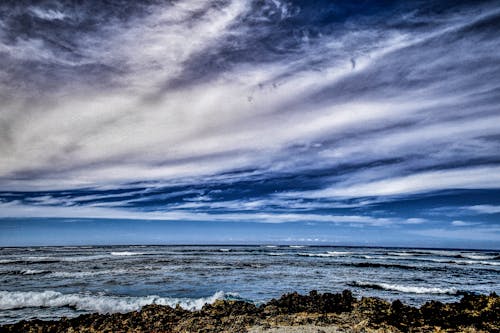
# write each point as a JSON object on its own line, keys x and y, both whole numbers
{"x": 51, "y": 282}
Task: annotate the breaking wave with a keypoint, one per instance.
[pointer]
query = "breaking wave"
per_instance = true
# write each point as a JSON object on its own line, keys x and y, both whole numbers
{"x": 97, "y": 303}
{"x": 406, "y": 289}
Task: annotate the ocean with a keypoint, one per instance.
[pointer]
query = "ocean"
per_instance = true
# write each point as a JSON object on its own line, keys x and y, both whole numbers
{"x": 52, "y": 282}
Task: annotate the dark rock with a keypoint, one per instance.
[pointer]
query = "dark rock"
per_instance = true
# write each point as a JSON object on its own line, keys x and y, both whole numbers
{"x": 313, "y": 303}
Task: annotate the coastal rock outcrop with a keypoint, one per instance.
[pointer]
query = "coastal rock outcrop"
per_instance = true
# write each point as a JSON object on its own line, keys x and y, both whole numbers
{"x": 293, "y": 312}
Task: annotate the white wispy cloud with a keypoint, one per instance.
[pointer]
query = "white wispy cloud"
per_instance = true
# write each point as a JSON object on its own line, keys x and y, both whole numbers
{"x": 16, "y": 209}
{"x": 460, "y": 223}
{"x": 460, "y": 178}
{"x": 483, "y": 209}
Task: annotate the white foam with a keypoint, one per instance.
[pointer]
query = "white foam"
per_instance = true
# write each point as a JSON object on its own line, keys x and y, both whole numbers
{"x": 276, "y": 254}
{"x": 96, "y": 303}
{"x": 33, "y": 271}
{"x": 126, "y": 253}
{"x": 408, "y": 289}
{"x": 224, "y": 250}
{"x": 297, "y": 246}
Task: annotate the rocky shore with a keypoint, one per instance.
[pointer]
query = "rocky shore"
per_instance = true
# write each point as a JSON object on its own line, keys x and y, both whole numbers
{"x": 291, "y": 313}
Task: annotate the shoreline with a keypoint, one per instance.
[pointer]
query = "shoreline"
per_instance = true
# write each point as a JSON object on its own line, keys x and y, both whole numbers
{"x": 293, "y": 312}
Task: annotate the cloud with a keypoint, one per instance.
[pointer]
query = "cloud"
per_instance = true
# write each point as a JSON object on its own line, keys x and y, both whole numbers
{"x": 295, "y": 112}
{"x": 461, "y": 178}
{"x": 15, "y": 209}
{"x": 49, "y": 14}
{"x": 484, "y": 209}
{"x": 459, "y": 223}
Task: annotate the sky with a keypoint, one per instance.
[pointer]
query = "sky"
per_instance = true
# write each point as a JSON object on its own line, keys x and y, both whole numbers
{"x": 250, "y": 121}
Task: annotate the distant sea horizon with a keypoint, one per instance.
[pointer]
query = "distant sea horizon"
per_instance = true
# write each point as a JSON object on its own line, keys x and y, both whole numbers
{"x": 255, "y": 245}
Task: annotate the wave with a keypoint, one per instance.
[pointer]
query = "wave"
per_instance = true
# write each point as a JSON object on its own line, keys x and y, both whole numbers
{"x": 464, "y": 262}
{"x": 25, "y": 272}
{"x": 38, "y": 260}
{"x": 50, "y": 260}
{"x": 10, "y": 261}
{"x": 96, "y": 303}
{"x": 84, "y": 258}
{"x": 224, "y": 250}
{"x": 33, "y": 272}
{"x": 86, "y": 274}
{"x": 403, "y": 254}
{"x": 339, "y": 253}
{"x": 127, "y": 253}
{"x": 477, "y": 256}
{"x": 406, "y": 289}
{"x": 437, "y": 253}
{"x": 274, "y": 254}
{"x": 297, "y": 246}
{"x": 321, "y": 255}
{"x": 384, "y": 265}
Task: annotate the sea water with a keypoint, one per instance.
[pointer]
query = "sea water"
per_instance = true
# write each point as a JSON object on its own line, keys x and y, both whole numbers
{"x": 52, "y": 282}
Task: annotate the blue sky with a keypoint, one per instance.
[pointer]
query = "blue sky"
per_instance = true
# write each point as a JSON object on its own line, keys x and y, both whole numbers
{"x": 367, "y": 123}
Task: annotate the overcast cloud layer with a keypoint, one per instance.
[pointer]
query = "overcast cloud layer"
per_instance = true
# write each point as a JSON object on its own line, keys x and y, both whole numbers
{"x": 382, "y": 113}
